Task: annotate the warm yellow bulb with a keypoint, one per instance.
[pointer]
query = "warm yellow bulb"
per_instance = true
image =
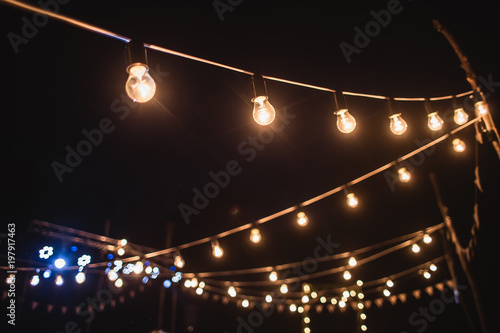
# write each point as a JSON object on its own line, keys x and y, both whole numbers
{"x": 178, "y": 261}
{"x": 415, "y": 248}
{"x": 458, "y": 145}
{"x": 305, "y": 299}
{"x": 121, "y": 251}
{"x": 307, "y": 320}
{"x": 273, "y": 276}
{"x": 397, "y": 125}
{"x": 302, "y": 219}
{"x": 263, "y": 112}
{"x": 245, "y": 303}
{"x": 306, "y": 288}
{"x": 346, "y": 123}
{"x": 460, "y": 116}
{"x": 352, "y": 262}
{"x": 352, "y": 200}
{"x": 427, "y": 275}
{"x": 347, "y": 275}
{"x": 404, "y": 175}
{"x": 140, "y": 86}
{"x": 389, "y": 283}
{"x": 435, "y": 122}
{"x": 364, "y": 328}
{"x": 231, "y": 291}
{"x": 255, "y": 236}
{"x": 427, "y": 239}
{"x": 293, "y": 307}
{"x": 342, "y": 304}
{"x": 284, "y": 288}
{"x": 119, "y": 283}
{"x": 387, "y": 293}
{"x": 80, "y": 277}
{"x": 481, "y": 108}
{"x": 269, "y": 298}
{"x": 217, "y": 249}
{"x": 138, "y": 267}
{"x": 433, "y": 267}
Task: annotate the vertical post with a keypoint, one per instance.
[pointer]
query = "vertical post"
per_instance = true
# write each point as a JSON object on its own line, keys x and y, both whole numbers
{"x": 461, "y": 252}
{"x": 169, "y": 230}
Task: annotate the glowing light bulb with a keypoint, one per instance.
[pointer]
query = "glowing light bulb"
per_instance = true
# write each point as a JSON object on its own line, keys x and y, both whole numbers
{"x": 269, "y": 298}
{"x": 322, "y": 299}
{"x": 80, "y": 277}
{"x": 140, "y": 86}
{"x": 387, "y": 293}
{"x": 333, "y": 301}
{"x": 47, "y": 273}
{"x": 187, "y": 283}
{"x": 302, "y": 219}
{"x": 361, "y": 295}
{"x": 460, "y": 116}
{"x": 245, "y": 303}
{"x": 314, "y": 294}
{"x": 359, "y": 283}
{"x": 194, "y": 282}
{"x": 199, "y": 291}
{"x": 458, "y": 145}
{"x": 201, "y": 284}
{"x": 300, "y": 309}
{"x": 342, "y": 304}
{"x": 60, "y": 263}
{"x": 35, "y": 280}
{"x": 305, "y": 299}
{"x": 293, "y": 307}
{"x": 362, "y": 316}
{"x": 231, "y": 291}
{"x": 178, "y": 261}
{"x": 433, "y": 267}
{"x": 217, "y": 249}
{"x": 352, "y": 200}
{"x": 427, "y": 239}
{"x": 284, "y": 288}
{"x": 404, "y": 175}
{"x": 427, "y": 275}
{"x": 273, "y": 276}
{"x": 345, "y": 121}
{"x": 139, "y": 267}
{"x": 435, "y": 122}
{"x": 121, "y": 251}
{"x": 360, "y": 306}
{"x": 415, "y": 248}
{"x": 352, "y": 262}
{"x": 112, "y": 275}
{"x": 123, "y": 242}
{"x": 481, "y": 108}
{"x": 119, "y": 283}
{"x": 307, "y": 320}
{"x": 347, "y": 275}
{"x": 389, "y": 283}
{"x": 255, "y": 236}
{"x": 306, "y": 288}
{"x": 364, "y": 328}
{"x": 397, "y": 125}
{"x": 307, "y": 330}
{"x": 263, "y": 112}
{"x": 59, "y": 280}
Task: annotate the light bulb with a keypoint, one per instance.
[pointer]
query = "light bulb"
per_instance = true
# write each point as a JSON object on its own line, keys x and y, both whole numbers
{"x": 306, "y": 288}
{"x": 347, "y": 275}
{"x": 305, "y": 299}
{"x": 427, "y": 239}
{"x": 139, "y": 267}
{"x": 293, "y": 307}
{"x": 460, "y": 116}
{"x": 217, "y": 249}
{"x": 404, "y": 175}
{"x": 284, "y": 288}
{"x": 263, "y": 111}
{"x": 415, "y": 248}
{"x": 269, "y": 298}
{"x": 273, "y": 276}
{"x": 342, "y": 304}
{"x": 245, "y": 303}
{"x": 35, "y": 280}
{"x": 123, "y": 242}
{"x": 231, "y": 291}
{"x": 112, "y": 275}
{"x": 352, "y": 200}
{"x": 435, "y": 122}
{"x": 59, "y": 280}
{"x": 121, "y": 251}
{"x": 387, "y": 293}
{"x": 427, "y": 275}
{"x": 433, "y": 267}
{"x": 364, "y": 328}
{"x": 362, "y": 316}
{"x": 119, "y": 283}
{"x": 314, "y": 294}
{"x": 140, "y": 86}
{"x": 398, "y": 125}
{"x": 458, "y": 145}
{"x": 345, "y": 121}
{"x": 199, "y": 291}
{"x": 322, "y": 299}
{"x": 481, "y": 108}
{"x": 389, "y": 283}
{"x": 60, "y": 263}
{"x": 178, "y": 261}
{"x": 352, "y": 261}
{"x": 302, "y": 219}
{"x": 80, "y": 277}
{"x": 255, "y": 236}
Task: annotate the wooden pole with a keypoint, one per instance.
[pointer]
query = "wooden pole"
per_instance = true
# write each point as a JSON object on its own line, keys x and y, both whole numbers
{"x": 169, "y": 230}
{"x": 460, "y": 251}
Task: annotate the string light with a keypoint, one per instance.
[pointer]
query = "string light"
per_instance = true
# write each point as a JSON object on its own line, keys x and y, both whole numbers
{"x": 59, "y": 280}
{"x": 178, "y": 261}
{"x": 427, "y": 239}
{"x": 231, "y": 291}
{"x": 352, "y": 262}
{"x": 433, "y": 267}
{"x": 59, "y": 263}
{"x": 263, "y": 112}
{"x": 347, "y": 275}
{"x": 352, "y": 200}
{"x": 35, "y": 280}
{"x": 84, "y": 260}
{"x": 314, "y": 294}
{"x": 123, "y": 242}
{"x": 112, "y": 275}
{"x": 397, "y": 124}
{"x": 302, "y": 219}
{"x": 300, "y": 309}
{"x": 458, "y": 145}
{"x": 460, "y": 117}
{"x": 293, "y": 307}
{"x": 139, "y": 267}
{"x": 120, "y": 251}
{"x": 415, "y": 248}
{"x": 359, "y": 283}
{"x": 481, "y": 108}
{"x": 306, "y": 288}
{"x": 284, "y": 288}
{"x": 363, "y": 327}
{"x": 342, "y": 303}
{"x": 346, "y": 123}
{"x": 404, "y": 175}
{"x": 434, "y": 122}
{"x": 140, "y": 86}
{"x": 255, "y": 236}
{"x": 199, "y": 291}
{"x": 322, "y": 299}
{"x": 269, "y": 298}
{"x": 80, "y": 277}
{"x": 118, "y": 283}
{"x": 273, "y": 276}
{"x": 305, "y": 299}
{"x": 389, "y": 283}
{"x": 245, "y": 303}
{"x": 333, "y": 301}
{"x": 47, "y": 273}
{"x": 217, "y": 249}
{"x": 387, "y": 293}
{"x": 426, "y": 274}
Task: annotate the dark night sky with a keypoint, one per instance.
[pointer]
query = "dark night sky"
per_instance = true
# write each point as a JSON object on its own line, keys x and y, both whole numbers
{"x": 65, "y": 80}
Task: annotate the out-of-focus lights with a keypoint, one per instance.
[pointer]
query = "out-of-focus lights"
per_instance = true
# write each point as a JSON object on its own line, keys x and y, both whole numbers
{"x": 352, "y": 200}
{"x": 59, "y": 263}
{"x": 80, "y": 277}
{"x": 284, "y": 288}
{"x": 347, "y": 275}
{"x": 302, "y": 219}
{"x": 273, "y": 276}
{"x": 415, "y": 248}
{"x": 119, "y": 283}
{"x": 59, "y": 280}
{"x": 35, "y": 280}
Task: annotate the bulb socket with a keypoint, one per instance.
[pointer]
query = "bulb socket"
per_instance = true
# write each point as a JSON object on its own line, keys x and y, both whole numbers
{"x": 339, "y": 101}
{"x": 428, "y": 106}
{"x": 135, "y": 53}
{"x": 259, "y": 85}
